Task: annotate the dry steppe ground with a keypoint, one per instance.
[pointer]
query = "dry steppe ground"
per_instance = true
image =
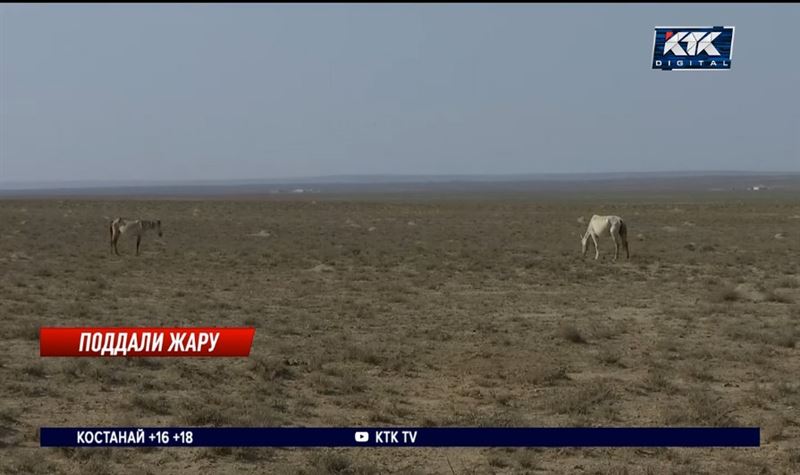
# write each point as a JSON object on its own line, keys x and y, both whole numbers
{"x": 426, "y": 311}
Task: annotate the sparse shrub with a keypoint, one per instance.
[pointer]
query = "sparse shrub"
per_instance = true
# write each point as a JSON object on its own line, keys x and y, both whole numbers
{"x": 504, "y": 398}
{"x": 206, "y": 415}
{"x": 570, "y": 333}
{"x": 352, "y": 383}
{"x": 23, "y": 331}
{"x": 785, "y": 338}
{"x": 271, "y": 369}
{"x": 148, "y": 363}
{"x": 364, "y": 353}
{"x": 8, "y": 416}
{"x": 609, "y": 356}
{"x": 581, "y": 400}
{"x": 153, "y": 404}
{"x": 657, "y": 380}
{"x": 498, "y": 461}
{"x": 787, "y": 282}
{"x": 772, "y": 296}
{"x": 545, "y": 374}
{"x": 772, "y": 428}
{"x": 77, "y": 309}
{"x": 216, "y": 452}
{"x": 601, "y": 331}
{"x": 700, "y": 373}
{"x": 36, "y": 370}
{"x": 29, "y": 461}
{"x": 703, "y": 408}
{"x": 380, "y": 417}
{"x": 528, "y": 459}
{"x": 43, "y": 272}
{"x": 253, "y": 454}
{"x": 330, "y": 463}
{"x": 726, "y": 294}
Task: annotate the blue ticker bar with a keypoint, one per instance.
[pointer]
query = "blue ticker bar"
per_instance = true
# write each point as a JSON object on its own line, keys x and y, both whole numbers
{"x": 399, "y": 437}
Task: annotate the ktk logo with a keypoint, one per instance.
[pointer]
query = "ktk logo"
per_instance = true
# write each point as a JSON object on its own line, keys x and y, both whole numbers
{"x": 696, "y": 43}
{"x": 698, "y": 48}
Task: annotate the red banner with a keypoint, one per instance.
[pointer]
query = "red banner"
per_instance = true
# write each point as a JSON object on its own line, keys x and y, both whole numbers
{"x": 128, "y": 342}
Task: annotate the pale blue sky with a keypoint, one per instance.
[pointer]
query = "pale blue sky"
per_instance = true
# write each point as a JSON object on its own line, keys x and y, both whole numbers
{"x": 133, "y": 92}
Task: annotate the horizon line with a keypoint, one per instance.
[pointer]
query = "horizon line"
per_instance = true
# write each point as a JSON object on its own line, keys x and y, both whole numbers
{"x": 309, "y": 179}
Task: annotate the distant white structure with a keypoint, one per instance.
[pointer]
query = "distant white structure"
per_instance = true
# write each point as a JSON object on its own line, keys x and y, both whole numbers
{"x": 298, "y": 190}
{"x": 757, "y": 188}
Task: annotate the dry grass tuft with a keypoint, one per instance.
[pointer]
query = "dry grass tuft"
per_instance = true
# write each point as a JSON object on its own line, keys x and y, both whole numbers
{"x": 771, "y": 295}
{"x": 725, "y": 294}
{"x": 570, "y": 333}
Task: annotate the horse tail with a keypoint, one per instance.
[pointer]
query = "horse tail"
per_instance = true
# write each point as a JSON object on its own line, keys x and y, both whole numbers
{"x": 623, "y": 232}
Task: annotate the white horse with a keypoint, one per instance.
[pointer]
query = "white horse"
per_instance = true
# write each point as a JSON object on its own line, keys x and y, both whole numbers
{"x": 120, "y": 226}
{"x": 600, "y": 225}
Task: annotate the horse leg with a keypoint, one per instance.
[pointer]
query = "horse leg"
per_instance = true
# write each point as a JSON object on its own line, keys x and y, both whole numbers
{"x": 616, "y": 246}
{"x": 584, "y": 239}
{"x": 114, "y": 243}
{"x": 596, "y": 249}
{"x": 138, "y": 241}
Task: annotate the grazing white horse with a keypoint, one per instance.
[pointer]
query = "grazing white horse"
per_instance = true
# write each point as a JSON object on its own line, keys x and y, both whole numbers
{"x": 600, "y": 225}
{"x": 120, "y": 226}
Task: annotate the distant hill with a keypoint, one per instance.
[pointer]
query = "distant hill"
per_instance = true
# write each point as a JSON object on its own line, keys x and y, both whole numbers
{"x": 556, "y": 182}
